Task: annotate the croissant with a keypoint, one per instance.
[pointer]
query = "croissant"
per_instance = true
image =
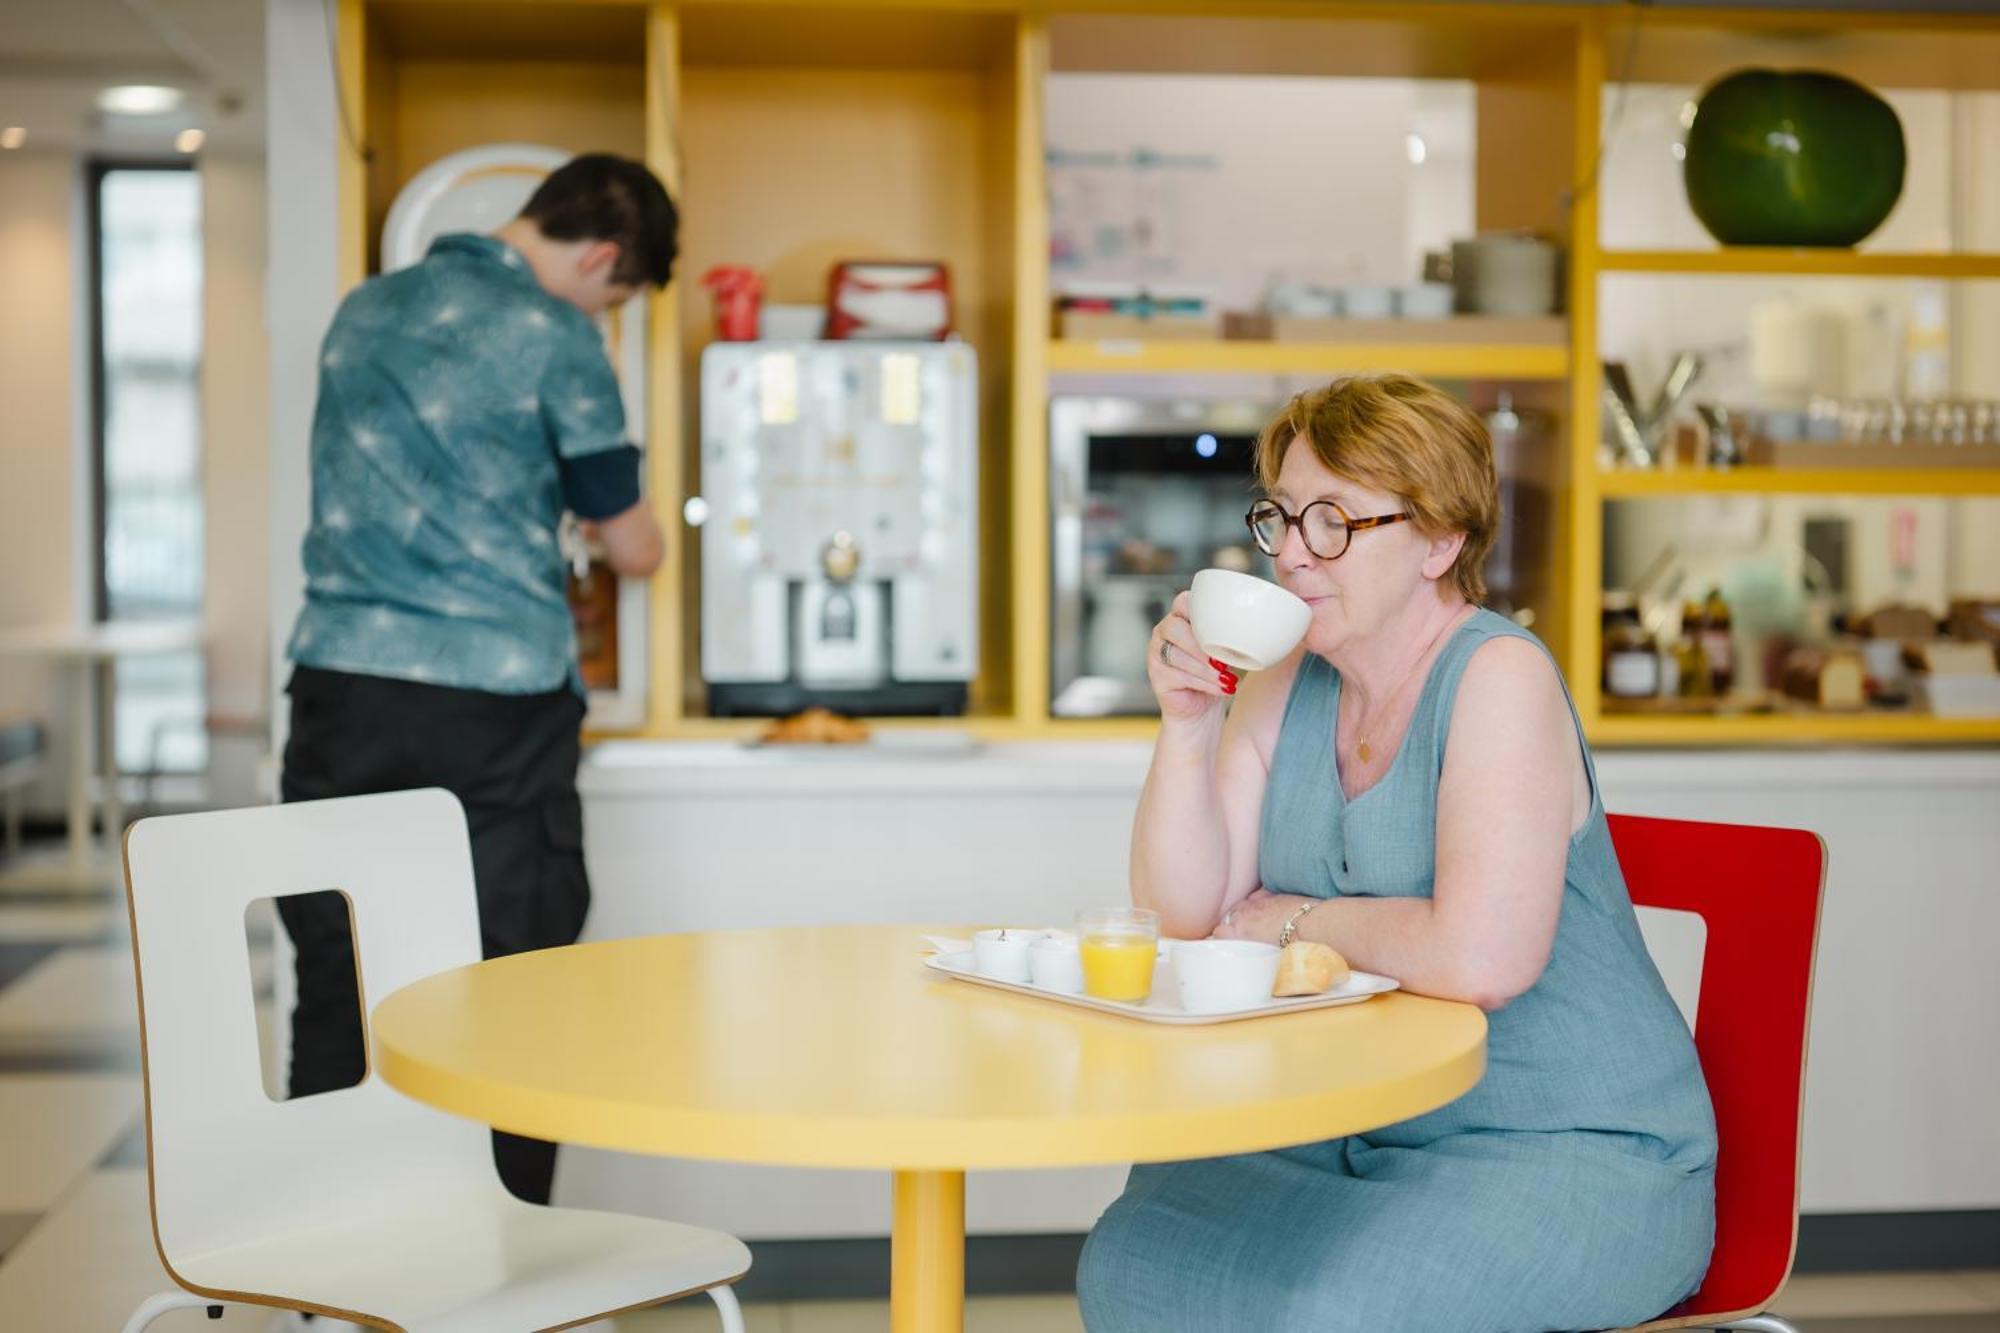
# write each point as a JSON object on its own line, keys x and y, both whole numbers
{"x": 1308, "y": 968}
{"x": 815, "y": 726}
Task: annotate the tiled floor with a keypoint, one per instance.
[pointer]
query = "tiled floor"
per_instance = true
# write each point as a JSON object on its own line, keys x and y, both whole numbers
{"x": 76, "y": 1248}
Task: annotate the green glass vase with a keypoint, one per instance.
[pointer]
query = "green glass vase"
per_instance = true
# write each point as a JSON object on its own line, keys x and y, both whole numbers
{"x": 1792, "y": 158}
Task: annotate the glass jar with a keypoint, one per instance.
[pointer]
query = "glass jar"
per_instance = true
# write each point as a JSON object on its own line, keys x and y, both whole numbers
{"x": 1631, "y": 660}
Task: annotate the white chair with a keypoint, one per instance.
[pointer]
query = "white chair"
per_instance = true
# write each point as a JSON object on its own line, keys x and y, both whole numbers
{"x": 358, "y": 1204}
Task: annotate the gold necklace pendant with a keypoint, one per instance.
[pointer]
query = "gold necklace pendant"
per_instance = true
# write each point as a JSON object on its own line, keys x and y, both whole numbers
{"x": 1362, "y": 751}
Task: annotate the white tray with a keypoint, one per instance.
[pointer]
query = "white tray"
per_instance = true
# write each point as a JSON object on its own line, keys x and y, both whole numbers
{"x": 1164, "y": 1004}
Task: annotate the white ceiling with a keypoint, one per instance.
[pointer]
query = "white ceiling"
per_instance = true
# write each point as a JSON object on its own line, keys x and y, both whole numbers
{"x": 55, "y": 56}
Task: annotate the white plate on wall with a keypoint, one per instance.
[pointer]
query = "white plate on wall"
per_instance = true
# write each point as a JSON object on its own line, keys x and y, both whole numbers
{"x": 480, "y": 189}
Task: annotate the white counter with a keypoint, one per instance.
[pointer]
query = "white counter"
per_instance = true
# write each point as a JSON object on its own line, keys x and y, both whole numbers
{"x": 1905, "y": 1045}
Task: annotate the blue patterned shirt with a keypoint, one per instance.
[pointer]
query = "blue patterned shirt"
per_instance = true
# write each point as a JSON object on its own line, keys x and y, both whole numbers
{"x": 461, "y": 409}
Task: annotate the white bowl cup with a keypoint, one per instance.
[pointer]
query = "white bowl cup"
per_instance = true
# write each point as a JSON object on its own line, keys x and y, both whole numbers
{"x": 1367, "y": 302}
{"x": 1221, "y": 976}
{"x": 1244, "y": 621}
{"x": 1425, "y": 300}
{"x": 1002, "y": 954}
{"x": 1056, "y": 963}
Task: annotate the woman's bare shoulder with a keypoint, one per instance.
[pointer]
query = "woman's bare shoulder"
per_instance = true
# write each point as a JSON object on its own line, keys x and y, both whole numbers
{"x": 1510, "y": 683}
{"x": 1514, "y": 658}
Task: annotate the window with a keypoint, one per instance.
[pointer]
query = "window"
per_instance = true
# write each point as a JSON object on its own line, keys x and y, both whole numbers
{"x": 146, "y": 322}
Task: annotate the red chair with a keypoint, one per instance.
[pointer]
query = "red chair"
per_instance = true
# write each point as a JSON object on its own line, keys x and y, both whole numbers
{"x": 1758, "y": 890}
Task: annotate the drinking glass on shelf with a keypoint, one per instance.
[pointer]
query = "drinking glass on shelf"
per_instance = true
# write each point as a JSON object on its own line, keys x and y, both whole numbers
{"x": 1896, "y": 422}
{"x": 1853, "y": 421}
{"x": 1954, "y": 423}
{"x": 1923, "y": 419}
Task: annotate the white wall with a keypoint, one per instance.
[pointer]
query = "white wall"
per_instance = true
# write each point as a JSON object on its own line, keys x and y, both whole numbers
{"x": 41, "y": 492}
{"x": 45, "y": 526}
{"x": 236, "y": 458}
{"x": 302, "y": 290}
{"x": 1308, "y": 180}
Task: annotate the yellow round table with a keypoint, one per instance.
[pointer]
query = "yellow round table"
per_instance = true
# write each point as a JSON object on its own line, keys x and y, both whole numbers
{"x": 835, "y": 1047}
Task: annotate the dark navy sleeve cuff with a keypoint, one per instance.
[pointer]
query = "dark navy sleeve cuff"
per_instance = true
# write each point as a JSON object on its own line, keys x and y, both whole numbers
{"x": 602, "y": 484}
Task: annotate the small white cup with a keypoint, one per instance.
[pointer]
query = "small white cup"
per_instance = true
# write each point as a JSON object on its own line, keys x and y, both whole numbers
{"x": 1367, "y": 302}
{"x": 1055, "y": 963}
{"x": 1247, "y": 622}
{"x": 1220, "y": 976}
{"x": 1425, "y": 300}
{"x": 1002, "y": 954}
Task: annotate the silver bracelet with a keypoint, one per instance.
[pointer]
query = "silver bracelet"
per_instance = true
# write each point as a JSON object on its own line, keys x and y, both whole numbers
{"x": 1291, "y": 929}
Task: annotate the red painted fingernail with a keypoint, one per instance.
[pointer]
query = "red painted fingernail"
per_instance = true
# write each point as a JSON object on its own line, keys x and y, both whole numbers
{"x": 1223, "y": 667}
{"x": 1228, "y": 687}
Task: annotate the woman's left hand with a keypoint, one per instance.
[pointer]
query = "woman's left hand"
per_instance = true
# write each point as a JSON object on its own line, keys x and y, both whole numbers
{"x": 1260, "y": 916}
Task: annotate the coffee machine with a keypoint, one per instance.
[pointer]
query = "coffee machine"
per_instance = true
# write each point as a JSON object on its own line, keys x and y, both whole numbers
{"x": 840, "y": 547}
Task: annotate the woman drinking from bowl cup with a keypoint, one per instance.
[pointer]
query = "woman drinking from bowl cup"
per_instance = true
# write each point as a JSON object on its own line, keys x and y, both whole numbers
{"x": 1410, "y": 786}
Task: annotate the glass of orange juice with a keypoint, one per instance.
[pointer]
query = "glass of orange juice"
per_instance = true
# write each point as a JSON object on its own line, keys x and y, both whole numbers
{"x": 1119, "y": 946}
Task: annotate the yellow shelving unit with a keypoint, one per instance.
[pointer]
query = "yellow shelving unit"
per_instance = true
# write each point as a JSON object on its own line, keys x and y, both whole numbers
{"x": 1689, "y": 47}
{"x": 1802, "y": 481}
{"x": 1436, "y": 360}
{"x": 1793, "y": 728}
{"x": 1762, "y": 261}
{"x": 801, "y": 131}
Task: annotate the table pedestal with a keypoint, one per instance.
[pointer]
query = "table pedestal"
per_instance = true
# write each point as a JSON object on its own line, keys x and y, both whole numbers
{"x": 927, "y": 1253}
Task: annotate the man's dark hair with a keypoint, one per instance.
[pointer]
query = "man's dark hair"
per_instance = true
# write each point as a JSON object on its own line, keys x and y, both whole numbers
{"x": 601, "y": 197}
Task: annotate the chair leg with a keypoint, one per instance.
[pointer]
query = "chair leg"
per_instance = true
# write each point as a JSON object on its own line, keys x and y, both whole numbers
{"x": 732, "y": 1313}
{"x": 1760, "y": 1323}
{"x": 155, "y": 1306}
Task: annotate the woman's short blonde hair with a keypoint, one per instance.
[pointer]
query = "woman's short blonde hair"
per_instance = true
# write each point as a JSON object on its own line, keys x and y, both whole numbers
{"x": 1400, "y": 435}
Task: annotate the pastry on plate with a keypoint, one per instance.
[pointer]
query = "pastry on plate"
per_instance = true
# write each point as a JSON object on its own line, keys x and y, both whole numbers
{"x": 815, "y": 726}
{"x": 1308, "y": 968}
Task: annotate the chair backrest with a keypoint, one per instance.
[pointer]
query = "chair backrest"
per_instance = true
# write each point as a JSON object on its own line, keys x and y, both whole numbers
{"x": 1758, "y": 892}
{"x": 228, "y": 1164}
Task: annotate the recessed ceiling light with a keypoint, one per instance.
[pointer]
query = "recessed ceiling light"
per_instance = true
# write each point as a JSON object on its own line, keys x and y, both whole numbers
{"x": 13, "y": 136}
{"x": 190, "y": 141}
{"x": 139, "y": 99}
{"x": 1415, "y": 147}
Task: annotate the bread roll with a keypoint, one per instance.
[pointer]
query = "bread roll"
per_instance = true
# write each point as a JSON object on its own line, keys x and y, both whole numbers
{"x": 1307, "y": 968}
{"x": 815, "y": 726}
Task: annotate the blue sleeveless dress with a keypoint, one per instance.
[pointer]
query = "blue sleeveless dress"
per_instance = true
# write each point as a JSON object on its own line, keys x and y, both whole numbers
{"x": 1573, "y": 1188}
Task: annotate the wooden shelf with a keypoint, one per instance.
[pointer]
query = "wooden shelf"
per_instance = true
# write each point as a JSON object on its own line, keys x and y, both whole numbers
{"x": 1690, "y": 46}
{"x": 1772, "y": 261}
{"x": 985, "y": 727}
{"x": 1791, "y": 728}
{"x": 1258, "y": 38}
{"x": 1802, "y": 481}
{"x": 1485, "y": 361}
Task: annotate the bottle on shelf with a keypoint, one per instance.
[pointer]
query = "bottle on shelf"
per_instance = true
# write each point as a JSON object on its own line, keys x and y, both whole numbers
{"x": 1692, "y": 672}
{"x": 1716, "y": 644}
{"x": 1631, "y": 661}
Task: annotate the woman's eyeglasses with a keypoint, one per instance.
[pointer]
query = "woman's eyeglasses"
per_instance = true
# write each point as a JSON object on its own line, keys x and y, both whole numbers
{"x": 1323, "y": 526}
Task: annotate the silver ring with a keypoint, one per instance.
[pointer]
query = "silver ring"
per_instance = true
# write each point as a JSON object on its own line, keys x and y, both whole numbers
{"x": 1166, "y": 650}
